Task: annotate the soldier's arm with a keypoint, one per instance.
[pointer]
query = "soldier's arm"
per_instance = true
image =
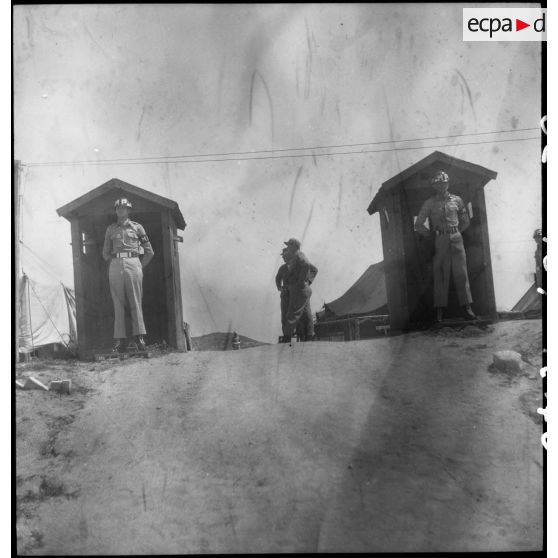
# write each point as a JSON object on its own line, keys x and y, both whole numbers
{"x": 463, "y": 215}
{"x": 303, "y": 270}
{"x": 278, "y": 276}
{"x": 146, "y": 245}
{"x": 107, "y": 245}
{"x": 312, "y": 272}
{"x": 423, "y": 215}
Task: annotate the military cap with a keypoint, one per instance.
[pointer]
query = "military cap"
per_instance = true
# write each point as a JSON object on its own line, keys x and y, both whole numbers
{"x": 293, "y": 242}
{"x": 122, "y": 202}
{"x": 440, "y": 176}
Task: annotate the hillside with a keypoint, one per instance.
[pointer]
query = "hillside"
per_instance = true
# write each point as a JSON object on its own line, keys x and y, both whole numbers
{"x": 408, "y": 443}
{"x": 220, "y": 341}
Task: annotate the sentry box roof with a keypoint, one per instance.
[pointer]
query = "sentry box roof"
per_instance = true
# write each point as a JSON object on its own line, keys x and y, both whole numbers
{"x": 100, "y": 200}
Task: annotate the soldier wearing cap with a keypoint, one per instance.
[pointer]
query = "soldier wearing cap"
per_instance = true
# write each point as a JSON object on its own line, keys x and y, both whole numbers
{"x": 301, "y": 274}
{"x": 123, "y": 239}
{"x": 283, "y": 288}
{"x": 448, "y": 217}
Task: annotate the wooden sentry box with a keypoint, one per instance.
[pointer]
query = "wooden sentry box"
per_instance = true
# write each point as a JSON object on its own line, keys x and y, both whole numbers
{"x": 408, "y": 257}
{"x": 90, "y": 216}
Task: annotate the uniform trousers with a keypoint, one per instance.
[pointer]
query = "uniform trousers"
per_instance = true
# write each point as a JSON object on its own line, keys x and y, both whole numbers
{"x": 299, "y": 306}
{"x": 450, "y": 261}
{"x": 302, "y": 328}
{"x": 125, "y": 279}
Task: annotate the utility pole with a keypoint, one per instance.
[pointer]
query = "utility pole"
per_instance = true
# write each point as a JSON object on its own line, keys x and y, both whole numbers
{"x": 17, "y": 237}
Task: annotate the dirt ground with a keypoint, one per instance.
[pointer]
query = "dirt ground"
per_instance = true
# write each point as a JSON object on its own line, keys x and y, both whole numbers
{"x": 407, "y": 443}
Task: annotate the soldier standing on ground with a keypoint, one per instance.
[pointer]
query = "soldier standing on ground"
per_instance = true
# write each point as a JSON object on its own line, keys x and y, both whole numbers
{"x": 123, "y": 239}
{"x": 283, "y": 288}
{"x": 448, "y": 218}
{"x": 301, "y": 275}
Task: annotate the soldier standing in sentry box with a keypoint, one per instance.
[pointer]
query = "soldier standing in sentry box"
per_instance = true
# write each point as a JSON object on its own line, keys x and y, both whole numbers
{"x": 448, "y": 218}
{"x": 122, "y": 242}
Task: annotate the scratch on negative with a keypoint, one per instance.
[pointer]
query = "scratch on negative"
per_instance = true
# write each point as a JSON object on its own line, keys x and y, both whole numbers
{"x": 468, "y": 93}
{"x": 294, "y": 190}
{"x": 308, "y": 221}
{"x": 143, "y": 495}
{"x": 308, "y": 62}
{"x": 264, "y": 83}
{"x": 138, "y": 133}
{"x": 339, "y": 200}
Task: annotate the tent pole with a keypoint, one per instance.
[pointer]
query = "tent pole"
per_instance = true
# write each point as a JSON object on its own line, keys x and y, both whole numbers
{"x": 30, "y": 323}
{"x": 17, "y": 235}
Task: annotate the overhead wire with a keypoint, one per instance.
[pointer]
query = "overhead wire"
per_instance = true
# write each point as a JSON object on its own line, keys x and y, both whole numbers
{"x": 182, "y": 158}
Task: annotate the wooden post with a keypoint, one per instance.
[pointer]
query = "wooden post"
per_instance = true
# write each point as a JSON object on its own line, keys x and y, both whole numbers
{"x": 17, "y": 235}
{"x": 83, "y": 333}
{"x": 171, "y": 273}
{"x": 487, "y": 259}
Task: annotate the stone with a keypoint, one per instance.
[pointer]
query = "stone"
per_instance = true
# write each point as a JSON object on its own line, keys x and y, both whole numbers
{"x": 33, "y": 383}
{"x": 61, "y": 386}
{"x": 508, "y": 361}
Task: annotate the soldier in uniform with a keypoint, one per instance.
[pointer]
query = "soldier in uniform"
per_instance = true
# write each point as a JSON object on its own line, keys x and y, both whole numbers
{"x": 281, "y": 283}
{"x": 123, "y": 239}
{"x": 300, "y": 276}
{"x": 283, "y": 288}
{"x": 448, "y": 217}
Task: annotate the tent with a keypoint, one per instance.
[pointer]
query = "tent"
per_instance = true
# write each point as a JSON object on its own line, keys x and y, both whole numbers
{"x": 47, "y": 315}
{"x": 359, "y": 313}
{"x": 367, "y": 296}
{"x": 530, "y": 302}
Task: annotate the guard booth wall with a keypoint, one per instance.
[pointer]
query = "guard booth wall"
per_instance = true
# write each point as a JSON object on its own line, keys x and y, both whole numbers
{"x": 90, "y": 215}
{"x": 408, "y": 256}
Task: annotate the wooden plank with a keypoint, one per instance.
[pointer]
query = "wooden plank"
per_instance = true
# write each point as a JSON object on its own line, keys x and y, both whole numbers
{"x": 487, "y": 263}
{"x": 113, "y": 186}
{"x": 177, "y": 292}
{"x": 17, "y": 237}
{"x": 168, "y": 278}
{"x": 397, "y": 281}
{"x": 78, "y": 286}
{"x": 99, "y": 357}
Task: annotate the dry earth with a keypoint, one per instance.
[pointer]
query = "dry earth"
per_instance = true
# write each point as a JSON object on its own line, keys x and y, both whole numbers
{"x": 408, "y": 443}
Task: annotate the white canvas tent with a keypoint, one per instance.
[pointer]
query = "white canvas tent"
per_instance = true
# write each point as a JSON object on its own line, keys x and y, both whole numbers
{"x": 47, "y": 315}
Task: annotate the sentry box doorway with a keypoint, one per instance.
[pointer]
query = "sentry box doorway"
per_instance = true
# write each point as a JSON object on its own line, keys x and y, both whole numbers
{"x": 408, "y": 258}
{"x": 90, "y": 216}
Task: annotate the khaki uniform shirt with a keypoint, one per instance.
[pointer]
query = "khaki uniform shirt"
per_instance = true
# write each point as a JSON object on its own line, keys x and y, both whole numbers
{"x": 449, "y": 211}
{"x": 127, "y": 237}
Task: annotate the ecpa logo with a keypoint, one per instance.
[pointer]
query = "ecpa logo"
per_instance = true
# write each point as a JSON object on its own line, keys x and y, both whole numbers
{"x": 504, "y": 24}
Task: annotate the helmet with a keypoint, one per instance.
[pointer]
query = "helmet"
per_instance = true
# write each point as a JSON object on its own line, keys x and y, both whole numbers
{"x": 440, "y": 176}
{"x": 122, "y": 202}
{"x": 537, "y": 233}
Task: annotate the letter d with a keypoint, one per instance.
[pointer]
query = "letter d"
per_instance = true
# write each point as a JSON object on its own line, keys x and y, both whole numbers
{"x": 543, "y": 22}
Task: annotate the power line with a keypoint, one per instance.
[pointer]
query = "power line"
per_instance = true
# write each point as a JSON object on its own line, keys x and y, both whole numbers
{"x": 46, "y": 266}
{"x": 151, "y": 162}
{"x": 171, "y": 157}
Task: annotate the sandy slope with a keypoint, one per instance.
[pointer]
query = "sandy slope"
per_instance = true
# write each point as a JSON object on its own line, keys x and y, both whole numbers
{"x": 402, "y": 443}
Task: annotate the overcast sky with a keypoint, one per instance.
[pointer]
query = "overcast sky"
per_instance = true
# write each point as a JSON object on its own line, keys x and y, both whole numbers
{"x": 124, "y": 81}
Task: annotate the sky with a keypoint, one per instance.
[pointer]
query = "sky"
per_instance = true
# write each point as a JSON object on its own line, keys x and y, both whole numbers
{"x": 101, "y": 82}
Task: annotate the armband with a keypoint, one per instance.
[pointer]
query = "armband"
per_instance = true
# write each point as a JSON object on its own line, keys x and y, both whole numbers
{"x": 143, "y": 239}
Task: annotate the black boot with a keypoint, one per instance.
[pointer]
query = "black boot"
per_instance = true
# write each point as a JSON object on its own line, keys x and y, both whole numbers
{"x": 469, "y": 314}
{"x": 118, "y": 346}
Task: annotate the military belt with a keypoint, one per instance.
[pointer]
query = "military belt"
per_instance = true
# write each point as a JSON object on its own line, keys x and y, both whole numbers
{"x": 451, "y": 229}
{"x": 126, "y": 255}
